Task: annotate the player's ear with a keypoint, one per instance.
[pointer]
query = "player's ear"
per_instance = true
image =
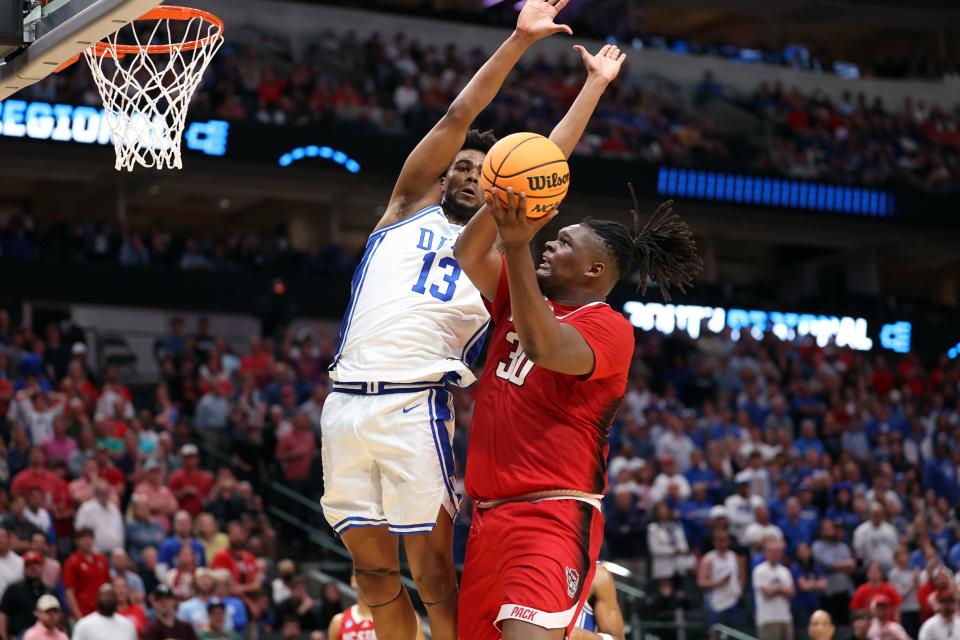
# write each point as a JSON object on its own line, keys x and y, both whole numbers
{"x": 443, "y": 183}
{"x": 596, "y": 270}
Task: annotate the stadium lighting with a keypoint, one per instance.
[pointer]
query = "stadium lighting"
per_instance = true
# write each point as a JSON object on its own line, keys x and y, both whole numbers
{"x": 774, "y": 192}
{"x": 327, "y": 153}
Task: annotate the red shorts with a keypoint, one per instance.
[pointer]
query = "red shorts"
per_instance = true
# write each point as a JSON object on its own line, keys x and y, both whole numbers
{"x": 528, "y": 561}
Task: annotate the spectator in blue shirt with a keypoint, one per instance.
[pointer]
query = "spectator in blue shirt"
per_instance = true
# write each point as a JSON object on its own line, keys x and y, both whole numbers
{"x": 795, "y": 529}
{"x": 778, "y": 506}
{"x": 940, "y": 474}
{"x": 182, "y": 534}
{"x": 810, "y": 584}
{"x": 695, "y": 515}
{"x": 808, "y": 438}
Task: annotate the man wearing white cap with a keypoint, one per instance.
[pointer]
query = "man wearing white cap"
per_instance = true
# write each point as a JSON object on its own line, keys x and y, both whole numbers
{"x": 741, "y": 507}
{"x": 48, "y": 621}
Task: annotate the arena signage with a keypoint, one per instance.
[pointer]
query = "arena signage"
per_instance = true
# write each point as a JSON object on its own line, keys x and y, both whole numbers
{"x": 842, "y": 331}
{"x": 87, "y": 125}
{"x": 774, "y": 192}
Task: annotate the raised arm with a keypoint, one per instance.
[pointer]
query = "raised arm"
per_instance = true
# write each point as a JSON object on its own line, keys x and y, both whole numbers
{"x": 431, "y": 158}
{"x": 546, "y": 341}
{"x": 602, "y": 69}
{"x": 476, "y": 249}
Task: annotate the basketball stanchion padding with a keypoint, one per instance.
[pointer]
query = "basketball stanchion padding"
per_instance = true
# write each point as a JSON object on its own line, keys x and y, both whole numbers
{"x": 146, "y": 73}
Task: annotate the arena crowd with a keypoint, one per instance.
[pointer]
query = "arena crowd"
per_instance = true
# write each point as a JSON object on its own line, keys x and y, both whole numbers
{"x": 732, "y": 462}
{"x": 396, "y": 85}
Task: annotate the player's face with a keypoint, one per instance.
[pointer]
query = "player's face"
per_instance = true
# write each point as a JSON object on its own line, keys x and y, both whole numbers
{"x": 462, "y": 193}
{"x": 568, "y": 261}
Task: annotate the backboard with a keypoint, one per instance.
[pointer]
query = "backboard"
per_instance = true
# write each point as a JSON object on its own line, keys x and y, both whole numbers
{"x": 57, "y": 30}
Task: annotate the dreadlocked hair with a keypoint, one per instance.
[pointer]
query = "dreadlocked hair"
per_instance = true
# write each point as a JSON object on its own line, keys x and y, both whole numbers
{"x": 479, "y": 140}
{"x": 663, "y": 248}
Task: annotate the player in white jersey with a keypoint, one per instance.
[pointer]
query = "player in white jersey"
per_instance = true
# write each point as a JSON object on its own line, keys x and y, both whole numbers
{"x": 413, "y": 325}
{"x": 600, "y": 618}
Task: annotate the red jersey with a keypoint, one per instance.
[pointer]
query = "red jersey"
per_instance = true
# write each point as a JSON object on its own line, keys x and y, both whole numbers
{"x": 534, "y": 429}
{"x": 199, "y": 480}
{"x": 243, "y": 568}
{"x": 85, "y": 575}
{"x": 53, "y": 487}
{"x": 353, "y": 627}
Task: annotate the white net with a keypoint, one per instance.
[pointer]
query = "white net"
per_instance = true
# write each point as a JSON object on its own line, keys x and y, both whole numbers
{"x": 146, "y": 74}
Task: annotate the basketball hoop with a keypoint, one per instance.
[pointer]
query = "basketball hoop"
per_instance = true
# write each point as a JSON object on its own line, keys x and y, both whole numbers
{"x": 147, "y": 74}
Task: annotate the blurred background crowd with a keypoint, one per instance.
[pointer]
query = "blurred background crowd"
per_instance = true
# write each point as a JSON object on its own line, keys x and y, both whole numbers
{"x": 397, "y": 85}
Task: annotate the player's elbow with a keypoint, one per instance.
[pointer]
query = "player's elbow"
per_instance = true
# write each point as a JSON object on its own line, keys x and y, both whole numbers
{"x": 457, "y": 115}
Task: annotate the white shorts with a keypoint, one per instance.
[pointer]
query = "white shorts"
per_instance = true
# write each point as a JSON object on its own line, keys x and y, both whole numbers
{"x": 388, "y": 460}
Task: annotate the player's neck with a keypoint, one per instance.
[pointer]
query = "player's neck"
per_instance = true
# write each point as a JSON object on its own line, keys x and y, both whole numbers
{"x": 576, "y": 297}
{"x": 453, "y": 216}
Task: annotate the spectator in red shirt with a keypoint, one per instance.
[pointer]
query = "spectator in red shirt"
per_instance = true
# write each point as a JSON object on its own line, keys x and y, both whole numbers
{"x": 928, "y": 592}
{"x": 126, "y": 608}
{"x": 295, "y": 450}
{"x": 36, "y": 475}
{"x": 190, "y": 484}
{"x": 107, "y": 470}
{"x": 84, "y": 572}
{"x": 876, "y": 587}
{"x": 241, "y": 564}
{"x": 258, "y": 362}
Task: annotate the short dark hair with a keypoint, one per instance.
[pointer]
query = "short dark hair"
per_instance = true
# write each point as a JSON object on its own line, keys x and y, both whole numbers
{"x": 479, "y": 140}
{"x": 83, "y": 532}
{"x": 664, "y": 248}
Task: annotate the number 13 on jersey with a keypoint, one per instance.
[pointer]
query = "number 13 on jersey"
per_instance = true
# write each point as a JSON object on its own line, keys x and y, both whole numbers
{"x": 444, "y": 294}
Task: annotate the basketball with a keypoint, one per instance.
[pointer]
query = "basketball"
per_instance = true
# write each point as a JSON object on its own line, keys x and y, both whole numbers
{"x": 530, "y": 163}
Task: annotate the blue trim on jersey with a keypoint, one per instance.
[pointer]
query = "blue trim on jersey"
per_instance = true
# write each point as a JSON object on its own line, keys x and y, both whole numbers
{"x": 419, "y": 214}
{"x": 383, "y": 388}
{"x": 407, "y": 529}
{"x": 439, "y": 414}
{"x": 471, "y": 350}
{"x": 358, "y": 277}
{"x": 360, "y": 522}
{"x": 586, "y": 620}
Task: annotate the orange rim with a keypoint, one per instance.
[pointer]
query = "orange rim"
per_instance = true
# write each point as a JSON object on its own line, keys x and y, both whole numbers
{"x": 163, "y": 12}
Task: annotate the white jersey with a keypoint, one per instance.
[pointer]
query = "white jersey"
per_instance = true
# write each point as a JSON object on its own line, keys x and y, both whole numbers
{"x": 413, "y": 316}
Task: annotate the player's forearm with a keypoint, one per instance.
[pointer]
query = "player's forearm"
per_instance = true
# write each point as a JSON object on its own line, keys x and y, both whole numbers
{"x": 476, "y": 254}
{"x": 570, "y": 129}
{"x": 537, "y": 327}
{"x": 485, "y": 84}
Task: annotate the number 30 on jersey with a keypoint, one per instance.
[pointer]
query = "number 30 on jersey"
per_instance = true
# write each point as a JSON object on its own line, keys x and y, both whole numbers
{"x": 517, "y": 366}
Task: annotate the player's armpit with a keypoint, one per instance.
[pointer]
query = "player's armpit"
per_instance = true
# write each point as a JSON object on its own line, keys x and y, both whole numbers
{"x": 418, "y": 184}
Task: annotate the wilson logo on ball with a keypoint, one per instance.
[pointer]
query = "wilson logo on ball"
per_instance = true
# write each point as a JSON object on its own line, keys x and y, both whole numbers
{"x": 538, "y": 183}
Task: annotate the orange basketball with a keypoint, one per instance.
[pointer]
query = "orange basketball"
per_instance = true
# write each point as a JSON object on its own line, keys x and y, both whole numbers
{"x": 530, "y": 163}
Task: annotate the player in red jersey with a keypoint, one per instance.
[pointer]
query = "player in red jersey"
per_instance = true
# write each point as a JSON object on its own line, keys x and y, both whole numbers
{"x": 556, "y": 373}
{"x": 356, "y": 623}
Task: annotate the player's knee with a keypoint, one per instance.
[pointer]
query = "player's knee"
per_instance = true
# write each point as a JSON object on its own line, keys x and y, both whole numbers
{"x": 377, "y": 586}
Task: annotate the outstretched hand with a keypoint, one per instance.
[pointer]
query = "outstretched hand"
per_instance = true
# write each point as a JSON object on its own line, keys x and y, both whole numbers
{"x": 605, "y": 64}
{"x": 536, "y": 19}
{"x": 513, "y": 225}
